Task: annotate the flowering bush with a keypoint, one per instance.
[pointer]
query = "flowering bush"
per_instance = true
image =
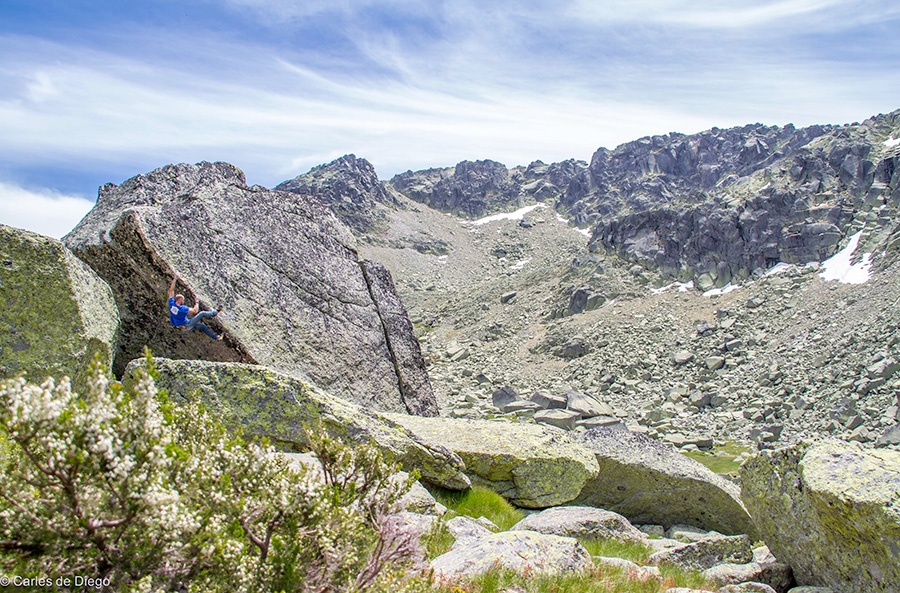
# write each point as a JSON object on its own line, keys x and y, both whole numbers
{"x": 121, "y": 485}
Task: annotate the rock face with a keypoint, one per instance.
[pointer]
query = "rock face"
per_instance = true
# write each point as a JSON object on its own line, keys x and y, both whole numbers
{"x": 717, "y": 205}
{"x": 349, "y": 187}
{"x": 264, "y": 403}
{"x": 57, "y": 314}
{"x": 297, "y": 296}
{"x": 831, "y": 511}
{"x": 532, "y": 466}
{"x": 475, "y": 188}
{"x": 649, "y": 482}
{"x": 522, "y": 551}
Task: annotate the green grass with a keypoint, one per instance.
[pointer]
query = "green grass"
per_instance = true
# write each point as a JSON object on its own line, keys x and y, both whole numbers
{"x": 480, "y": 502}
{"x": 437, "y": 541}
{"x": 721, "y": 464}
{"x": 602, "y": 579}
{"x": 634, "y": 551}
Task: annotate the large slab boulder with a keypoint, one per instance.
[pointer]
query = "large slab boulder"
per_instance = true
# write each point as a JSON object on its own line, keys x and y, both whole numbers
{"x": 575, "y": 521}
{"x": 651, "y": 483}
{"x": 522, "y": 551}
{"x": 265, "y": 403}
{"x": 297, "y": 296}
{"x": 56, "y": 313}
{"x": 830, "y": 510}
{"x": 532, "y": 466}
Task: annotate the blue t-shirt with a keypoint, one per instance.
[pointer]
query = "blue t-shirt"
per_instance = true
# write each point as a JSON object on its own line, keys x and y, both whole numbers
{"x": 178, "y": 313}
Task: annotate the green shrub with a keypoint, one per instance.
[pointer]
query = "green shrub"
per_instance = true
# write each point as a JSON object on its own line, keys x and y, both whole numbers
{"x": 147, "y": 496}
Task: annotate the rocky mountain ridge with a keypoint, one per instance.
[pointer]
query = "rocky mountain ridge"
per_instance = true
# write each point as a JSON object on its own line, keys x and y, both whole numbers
{"x": 710, "y": 206}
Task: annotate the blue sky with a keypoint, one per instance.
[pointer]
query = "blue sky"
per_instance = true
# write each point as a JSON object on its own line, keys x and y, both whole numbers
{"x": 101, "y": 91}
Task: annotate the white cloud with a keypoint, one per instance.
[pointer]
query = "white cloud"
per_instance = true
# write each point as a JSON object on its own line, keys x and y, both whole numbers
{"x": 41, "y": 211}
{"x": 713, "y": 14}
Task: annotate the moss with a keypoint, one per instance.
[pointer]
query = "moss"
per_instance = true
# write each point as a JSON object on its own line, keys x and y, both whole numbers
{"x": 56, "y": 314}
{"x": 532, "y": 466}
{"x": 263, "y": 403}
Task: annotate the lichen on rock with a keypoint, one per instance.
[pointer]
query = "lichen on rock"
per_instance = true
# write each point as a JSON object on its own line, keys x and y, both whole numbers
{"x": 286, "y": 270}
{"x": 831, "y": 510}
{"x": 532, "y": 466}
{"x": 650, "y": 482}
{"x": 264, "y": 403}
{"x": 57, "y": 314}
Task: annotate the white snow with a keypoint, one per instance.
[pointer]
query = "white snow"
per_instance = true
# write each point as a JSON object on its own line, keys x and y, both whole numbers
{"x": 891, "y": 142}
{"x": 681, "y": 286}
{"x": 724, "y": 290}
{"x": 838, "y": 266}
{"x": 779, "y": 268}
{"x": 519, "y": 265}
{"x": 585, "y": 232}
{"x": 517, "y": 215}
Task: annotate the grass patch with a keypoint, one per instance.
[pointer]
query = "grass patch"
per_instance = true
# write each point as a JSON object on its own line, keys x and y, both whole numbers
{"x": 480, "y": 502}
{"x": 602, "y": 579}
{"x": 721, "y": 458}
{"x": 437, "y": 541}
{"x": 679, "y": 577}
{"x": 634, "y": 551}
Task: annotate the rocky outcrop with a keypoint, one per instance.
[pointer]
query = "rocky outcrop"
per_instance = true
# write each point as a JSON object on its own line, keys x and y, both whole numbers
{"x": 263, "y": 403}
{"x": 650, "y": 482}
{"x": 57, "y": 314}
{"x": 725, "y": 202}
{"x": 475, "y": 188}
{"x": 472, "y": 188}
{"x": 287, "y": 271}
{"x": 532, "y": 466}
{"x": 350, "y": 188}
{"x": 830, "y": 511}
{"x": 522, "y": 551}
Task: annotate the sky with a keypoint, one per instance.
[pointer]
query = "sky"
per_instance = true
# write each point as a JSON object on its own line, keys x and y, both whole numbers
{"x": 97, "y": 92}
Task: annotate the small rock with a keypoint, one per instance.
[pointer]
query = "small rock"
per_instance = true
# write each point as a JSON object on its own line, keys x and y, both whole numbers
{"x": 653, "y": 530}
{"x": 715, "y": 363}
{"x": 708, "y": 552}
{"x": 507, "y": 296}
{"x": 503, "y": 396}
{"x": 748, "y": 588}
{"x": 564, "y": 419}
{"x": 586, "y": 405}
{"x": 683, "y": 357}
{"x": 548, "y": 402}
{"x": 891, "y": 436}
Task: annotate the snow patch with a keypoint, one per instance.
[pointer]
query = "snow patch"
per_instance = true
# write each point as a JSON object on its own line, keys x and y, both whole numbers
{"x": 680, "y": 286}
{"x": 838, "y": 266}
{"x": 586, "y": 232}
{"x": 519, "y": 265}
{"x": 891, "y": 142}
{"x": 724, "y": 290}
{"x": 517, "y": 215}
{"x": 779, "y": 268}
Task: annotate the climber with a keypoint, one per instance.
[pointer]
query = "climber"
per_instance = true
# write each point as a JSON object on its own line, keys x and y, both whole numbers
{"x": 178, "y": 313}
